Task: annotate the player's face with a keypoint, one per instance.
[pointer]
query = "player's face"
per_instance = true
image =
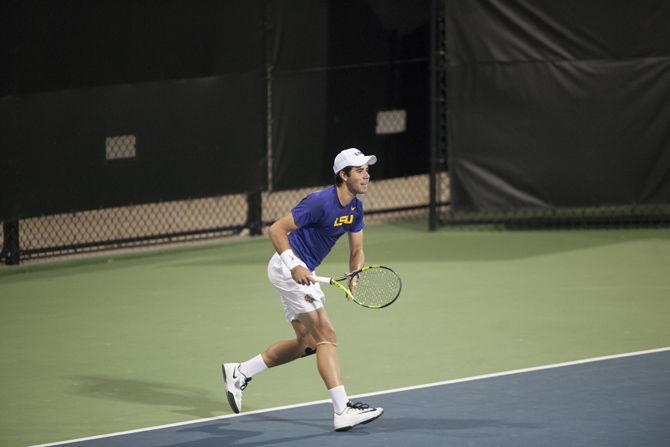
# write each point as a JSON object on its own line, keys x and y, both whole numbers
{"x": 358, "y": 179}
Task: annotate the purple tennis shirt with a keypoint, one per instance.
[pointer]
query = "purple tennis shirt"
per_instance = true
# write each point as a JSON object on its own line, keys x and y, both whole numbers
{"x": 321, "y": 220}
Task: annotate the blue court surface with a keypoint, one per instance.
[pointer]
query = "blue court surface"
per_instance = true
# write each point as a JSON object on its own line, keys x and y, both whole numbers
{"x": 615, "y": 401}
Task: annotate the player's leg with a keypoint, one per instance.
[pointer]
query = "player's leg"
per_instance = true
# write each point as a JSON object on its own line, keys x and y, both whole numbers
{"x": 296, "y": 299}
{"x": 322, "y": 332}
{"x": 347, "y": 414}
{"x": 286, "y": 351}
{"x": 238, "y": 375}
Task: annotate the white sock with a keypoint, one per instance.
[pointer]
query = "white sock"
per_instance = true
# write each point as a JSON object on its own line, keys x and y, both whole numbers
{"x": 339, "y": 398}
{"x": 253, "y": 366}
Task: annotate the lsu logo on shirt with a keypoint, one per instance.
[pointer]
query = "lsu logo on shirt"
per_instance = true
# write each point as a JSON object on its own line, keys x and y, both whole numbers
{"x": 343, "y": 220}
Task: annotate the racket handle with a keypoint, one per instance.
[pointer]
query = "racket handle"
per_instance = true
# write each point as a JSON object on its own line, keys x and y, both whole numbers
{"x": 322, "y": 279}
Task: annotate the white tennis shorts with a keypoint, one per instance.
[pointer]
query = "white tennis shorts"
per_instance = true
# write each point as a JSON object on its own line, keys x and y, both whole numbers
{"x": 296, "y": 298}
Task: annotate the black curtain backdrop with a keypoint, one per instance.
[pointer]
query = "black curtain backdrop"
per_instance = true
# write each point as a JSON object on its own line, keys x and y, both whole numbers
{"x": 70, "y": 44}
{"x": 558, "y": 104}
{"x": 335, "y": 65}
{"x": 194, "y": 138}
{"x": 187, "y": 79}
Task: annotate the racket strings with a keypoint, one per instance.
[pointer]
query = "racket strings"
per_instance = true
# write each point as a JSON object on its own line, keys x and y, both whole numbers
{"x": 377, "y": 287}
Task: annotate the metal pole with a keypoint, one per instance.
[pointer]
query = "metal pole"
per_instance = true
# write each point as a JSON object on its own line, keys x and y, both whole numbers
{"x": 11, "y": 251}
{"x": 254, "y": 213}
{"x": 433, "y": 104}
{"x": 268, "y": 36}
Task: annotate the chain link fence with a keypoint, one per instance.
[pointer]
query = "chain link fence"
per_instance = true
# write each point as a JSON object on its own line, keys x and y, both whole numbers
{"x": 197, "y": 220}
{"x": 390, "y": 122}
{"x": 194, "y": 220}
{"x": 132, "y": 226}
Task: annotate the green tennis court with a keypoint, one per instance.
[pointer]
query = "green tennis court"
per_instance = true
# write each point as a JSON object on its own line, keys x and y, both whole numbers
{"x": 120, "y": 342}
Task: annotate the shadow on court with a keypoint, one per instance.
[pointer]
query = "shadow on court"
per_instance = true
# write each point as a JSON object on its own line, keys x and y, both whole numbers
{"x": 320, "y": 430}
{"x": 615, "y": 402}
{"x": 186, "y": 400}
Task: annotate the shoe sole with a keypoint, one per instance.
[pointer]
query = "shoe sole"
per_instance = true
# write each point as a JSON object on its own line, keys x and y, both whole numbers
{"x": 349, "y": 427}
{"x": 229, "y": 395}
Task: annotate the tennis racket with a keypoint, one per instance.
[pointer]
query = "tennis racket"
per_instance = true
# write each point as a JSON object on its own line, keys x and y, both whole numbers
{"x": 375, "y": 287}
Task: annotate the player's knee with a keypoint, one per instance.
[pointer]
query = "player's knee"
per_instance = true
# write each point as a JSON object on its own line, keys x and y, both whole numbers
{"x": 328, "y": 335}
{"x": 305, "y": 339}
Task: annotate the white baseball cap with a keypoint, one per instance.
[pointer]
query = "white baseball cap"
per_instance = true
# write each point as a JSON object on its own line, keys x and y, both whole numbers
{"x": 352, "y": 157}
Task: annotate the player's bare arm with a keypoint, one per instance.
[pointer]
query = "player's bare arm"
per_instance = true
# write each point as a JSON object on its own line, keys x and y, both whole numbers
{"x": 278, "y": 234}
{"x": 356, "y": 255}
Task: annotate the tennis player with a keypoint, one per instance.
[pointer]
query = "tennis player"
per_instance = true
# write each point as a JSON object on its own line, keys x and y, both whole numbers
{"x": 302, "y": 239}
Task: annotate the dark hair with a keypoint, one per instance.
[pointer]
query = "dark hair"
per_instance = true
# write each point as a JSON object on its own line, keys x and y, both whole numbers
{"x": 338, "y": 179}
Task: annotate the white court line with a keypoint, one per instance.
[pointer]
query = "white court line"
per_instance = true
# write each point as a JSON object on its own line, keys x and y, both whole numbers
{"x": 409, "y": 388}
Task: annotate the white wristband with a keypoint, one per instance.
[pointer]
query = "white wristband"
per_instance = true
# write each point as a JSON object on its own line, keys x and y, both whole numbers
{"x": 290, "y": 259}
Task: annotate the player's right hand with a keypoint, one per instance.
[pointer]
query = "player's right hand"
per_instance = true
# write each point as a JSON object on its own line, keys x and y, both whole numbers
{"x": 352, "y": 284}
{"x": 302, "y": 275}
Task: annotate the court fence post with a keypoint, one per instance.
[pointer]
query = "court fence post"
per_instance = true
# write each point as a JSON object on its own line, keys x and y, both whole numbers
{"x": 438, "y": 107}
{"x": 254, "y": 213}
{"x": 432, "y": 184}
{"x": 11, "y": 251}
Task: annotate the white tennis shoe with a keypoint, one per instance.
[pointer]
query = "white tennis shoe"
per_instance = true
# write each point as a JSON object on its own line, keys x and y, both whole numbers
{"x": 355, "y": 414}
{"x": 236, "y": 382}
